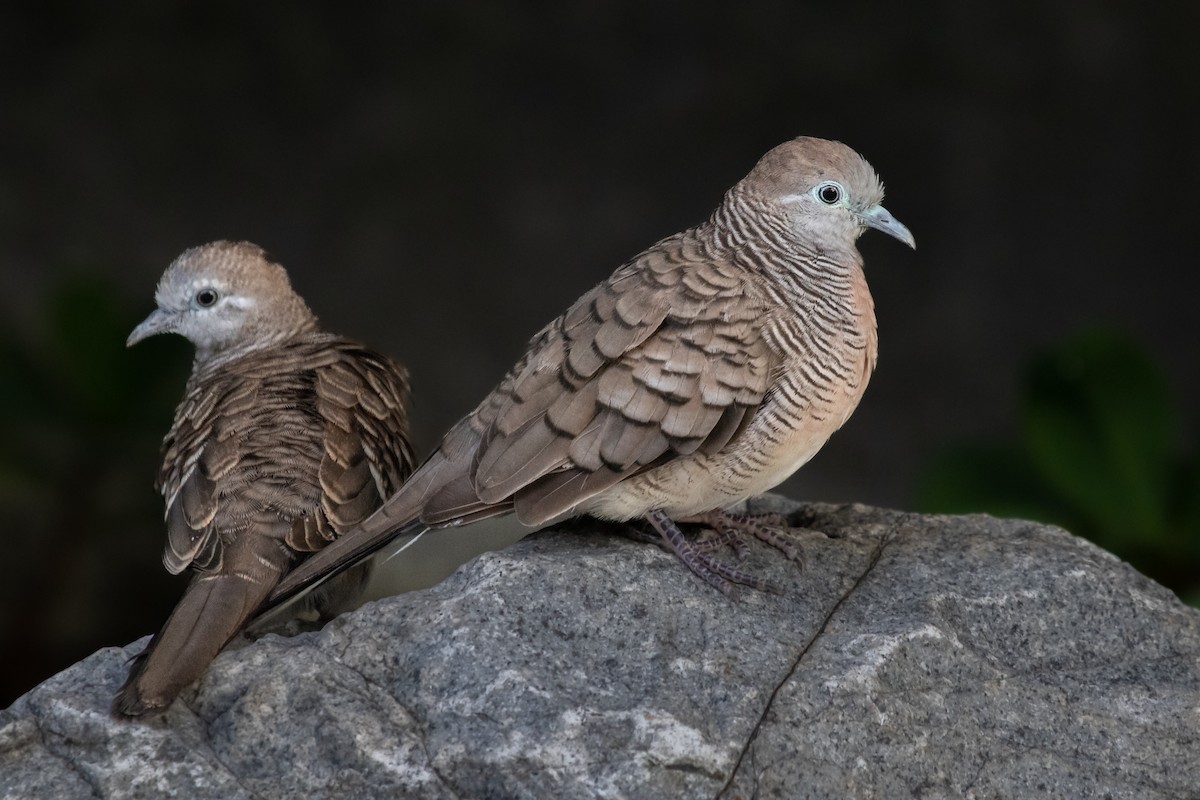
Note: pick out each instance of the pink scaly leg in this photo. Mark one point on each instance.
(701, 561)
(732, 528)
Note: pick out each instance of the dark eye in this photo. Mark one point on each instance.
(206, 297)
(829, 193)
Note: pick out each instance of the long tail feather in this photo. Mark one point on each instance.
(214, 608)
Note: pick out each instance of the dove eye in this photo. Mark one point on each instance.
(829, 193)
(205, 298)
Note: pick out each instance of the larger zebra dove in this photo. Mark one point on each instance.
(286, 437)
(706, 370)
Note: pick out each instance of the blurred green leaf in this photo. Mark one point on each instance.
(999, 478)
(1187, 496)
(1098, 453)
(1098, 421)
(81, 420)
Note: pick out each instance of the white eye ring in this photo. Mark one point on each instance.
(207, 298)
(830, 193)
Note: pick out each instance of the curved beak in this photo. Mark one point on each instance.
(881, 219)
(159, 321)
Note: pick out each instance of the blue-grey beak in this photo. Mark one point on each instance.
(159, 321)
(881, 219)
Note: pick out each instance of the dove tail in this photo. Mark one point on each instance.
(214, 608)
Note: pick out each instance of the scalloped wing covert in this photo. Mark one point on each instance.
(313, 433)
(666, 357)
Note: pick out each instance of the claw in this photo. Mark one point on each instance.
(701, 561)
(770, 528)
(712, 539)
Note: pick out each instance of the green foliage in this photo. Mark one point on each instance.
(1098, 453)
(81, 419)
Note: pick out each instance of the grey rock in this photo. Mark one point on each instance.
(920, 656)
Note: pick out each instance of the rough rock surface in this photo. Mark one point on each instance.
(913, 656)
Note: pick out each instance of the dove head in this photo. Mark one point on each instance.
(226, 298)
(828, 193)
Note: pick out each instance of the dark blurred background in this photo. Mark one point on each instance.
(441, 179)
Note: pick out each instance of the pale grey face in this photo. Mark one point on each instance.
(827, 189)
(837, 203)
(204, 309)
(224, 295)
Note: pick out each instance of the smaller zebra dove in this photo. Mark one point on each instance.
(704, 371)
(286, 437)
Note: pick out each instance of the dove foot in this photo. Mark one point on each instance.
(732, 529)
(699, 559)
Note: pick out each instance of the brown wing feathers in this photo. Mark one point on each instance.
(269, 459)
(622, 380)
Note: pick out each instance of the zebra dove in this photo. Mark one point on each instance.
(706, 370)
(286, 437)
